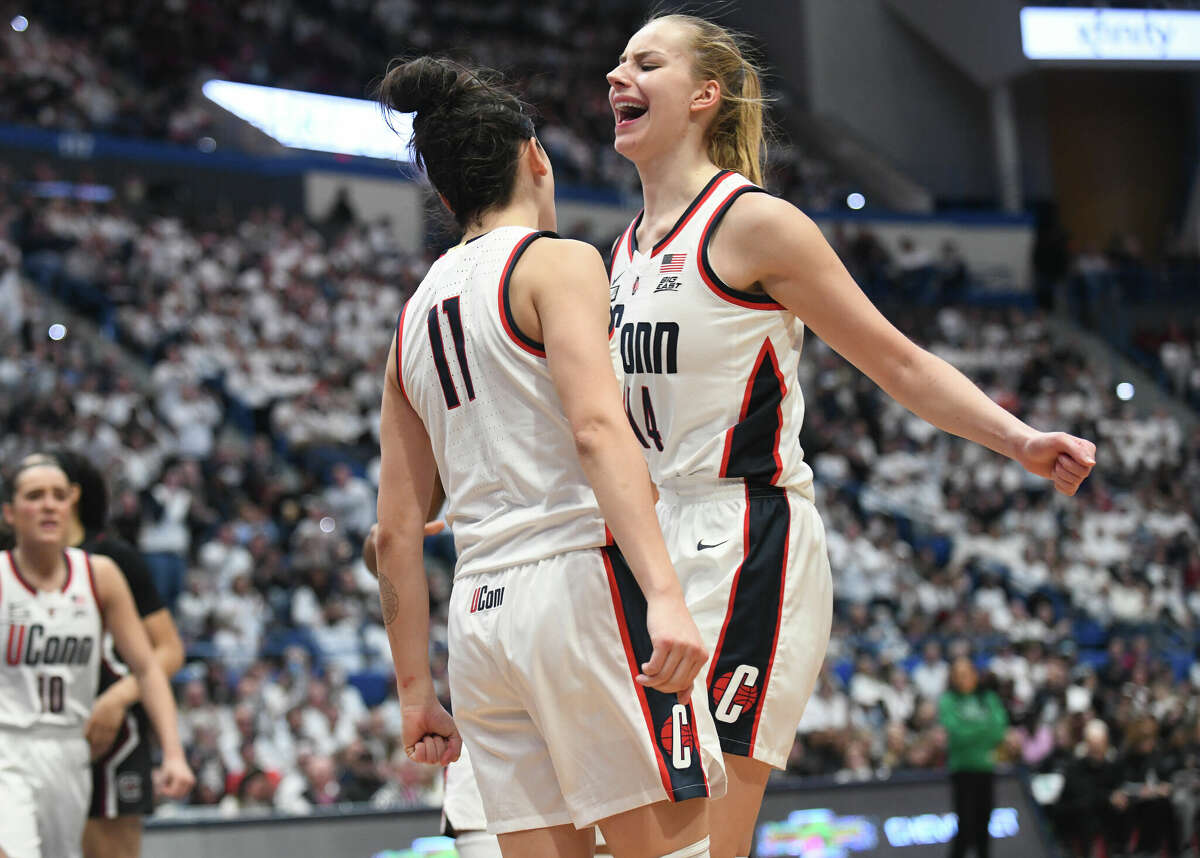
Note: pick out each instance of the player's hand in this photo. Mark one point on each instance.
(429, 734)
(679, 653)
(175, 778)
(103, 724)
(1060, 457)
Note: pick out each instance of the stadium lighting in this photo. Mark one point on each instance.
(57, 331)
(1125, 391)
(856, 200)
(324, 123)
(20, 23)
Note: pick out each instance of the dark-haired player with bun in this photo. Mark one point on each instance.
(118, 730)
(571, 662)
(712, 287)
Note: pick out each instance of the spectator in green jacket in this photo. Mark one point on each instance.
(975, 724)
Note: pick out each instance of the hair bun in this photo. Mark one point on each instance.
(420, 85)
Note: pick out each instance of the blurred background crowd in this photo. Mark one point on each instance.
(224, 369)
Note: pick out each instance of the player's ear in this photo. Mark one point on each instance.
(446, 203)
(539, 161)
(707, 95)
(74, 494)
(8, 513)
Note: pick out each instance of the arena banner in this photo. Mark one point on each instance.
(903, 817)
(906, 816)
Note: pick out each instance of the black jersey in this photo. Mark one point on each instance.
(145, 595)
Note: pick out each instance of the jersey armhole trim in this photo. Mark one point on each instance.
(87, 559)
(400, 350)
(526, 343)
(749, 300)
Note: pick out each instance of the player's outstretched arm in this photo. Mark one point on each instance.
(766, 240)
(406, 486)
(133, 645)
(573, 314)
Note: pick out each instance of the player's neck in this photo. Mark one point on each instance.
(519, 212)
(75, 533)
(42, 564)
(669, 184)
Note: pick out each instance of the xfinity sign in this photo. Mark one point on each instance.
(1109, 34)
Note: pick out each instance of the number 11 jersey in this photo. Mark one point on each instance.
(515, 491)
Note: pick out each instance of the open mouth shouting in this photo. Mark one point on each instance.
(628, 110)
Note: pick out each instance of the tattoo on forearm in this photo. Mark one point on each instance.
(389, 600)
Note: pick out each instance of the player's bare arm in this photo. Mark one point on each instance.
(767, 241)
(108, 713)
(570, 315)
(133, 645)
(407, 477)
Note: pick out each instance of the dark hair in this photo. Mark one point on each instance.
(93, 489)
(467, 130)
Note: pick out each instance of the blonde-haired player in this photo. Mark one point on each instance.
(712, 287)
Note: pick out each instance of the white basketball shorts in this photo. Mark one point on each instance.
(542, 664)
(45, 787)
(755, 573)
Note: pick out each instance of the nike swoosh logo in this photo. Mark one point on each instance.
(700, 546)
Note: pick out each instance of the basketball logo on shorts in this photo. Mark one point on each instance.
(129, 786)
(484, 599)
(677, 737)
(734, 693)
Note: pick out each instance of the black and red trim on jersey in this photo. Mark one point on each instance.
(399, 350)
(750, 632)
(701, 198)
(752, 444)
(527, 343)
(630, 608)
(12, 559)
(87, 559)
(749, 300)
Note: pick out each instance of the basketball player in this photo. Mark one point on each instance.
(55, 603)
(711, 288)
(118, 729)
(463, 817)
(567, 662)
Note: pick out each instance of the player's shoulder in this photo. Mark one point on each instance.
(755, 209)
(762, 222)
(551, 249)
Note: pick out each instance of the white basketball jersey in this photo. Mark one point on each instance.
(515, 491)
(51, 640)
(710, 382)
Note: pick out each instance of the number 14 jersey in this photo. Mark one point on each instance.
(515, 491)
(709, 372)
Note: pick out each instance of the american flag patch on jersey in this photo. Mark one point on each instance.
(672, 263)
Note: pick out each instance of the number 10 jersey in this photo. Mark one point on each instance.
(515, 491)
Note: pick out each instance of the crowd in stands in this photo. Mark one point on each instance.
(142, 77)
(243, 458)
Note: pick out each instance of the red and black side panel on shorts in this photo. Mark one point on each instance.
(752, 444)
(745, 651)
(657, 707)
